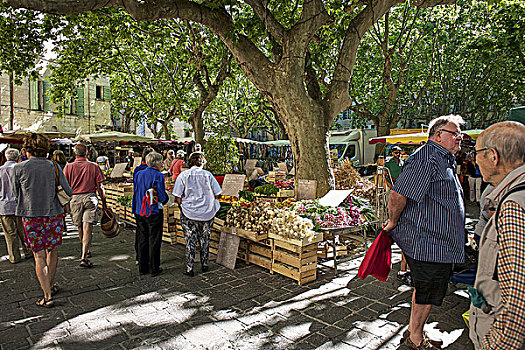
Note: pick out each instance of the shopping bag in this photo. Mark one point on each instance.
(109, 224)
(378, 258)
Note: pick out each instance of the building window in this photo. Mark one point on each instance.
(99, 92)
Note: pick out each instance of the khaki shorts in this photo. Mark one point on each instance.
(84, 208)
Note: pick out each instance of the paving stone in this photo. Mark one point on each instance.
(112, 307)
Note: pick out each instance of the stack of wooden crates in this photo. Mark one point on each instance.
(172, 229)
(293, 258)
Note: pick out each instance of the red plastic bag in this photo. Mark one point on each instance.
(378, 258)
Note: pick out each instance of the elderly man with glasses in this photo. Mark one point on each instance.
(498, 303)
(427, 221)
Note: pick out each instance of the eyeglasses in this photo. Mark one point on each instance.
(396, 152)
(456, 134)
(475, 152)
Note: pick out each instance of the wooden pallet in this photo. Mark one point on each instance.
(294, 261)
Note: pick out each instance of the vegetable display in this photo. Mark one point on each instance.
(288, 224)
(267, 190)
(347, 178)
(327, 217)
(125, 200)
(256, 216)
(223, 210)
(248, 195)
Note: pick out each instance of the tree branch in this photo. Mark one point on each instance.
(273, 26)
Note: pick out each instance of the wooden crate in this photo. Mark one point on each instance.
(215, 237)
(261, 253)
(318, 237)
(251, 235)
(242, 252)
(171, 214)
(294, 261)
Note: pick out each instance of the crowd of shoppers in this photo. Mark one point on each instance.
(426, 219)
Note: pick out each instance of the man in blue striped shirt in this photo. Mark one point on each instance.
(427, 221)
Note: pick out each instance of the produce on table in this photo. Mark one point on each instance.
(223, 210)
(227, 199)
(288, 224)
(285, 184)
(242, 203)
(327, 217)
(287, 203)
(248, 195)
(125, 200)
(347, 178)
(363, 205)
(267, 190)
(256, 216)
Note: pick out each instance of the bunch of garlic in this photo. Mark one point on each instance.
(290, 225)
(256, 217)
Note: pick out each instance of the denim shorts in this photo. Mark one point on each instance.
(430, 280)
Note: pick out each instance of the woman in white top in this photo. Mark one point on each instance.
(195, 191)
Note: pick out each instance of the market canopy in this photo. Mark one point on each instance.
(114, 136)
(415, 138)
(20, 134)
(418, 138)
(474, 133)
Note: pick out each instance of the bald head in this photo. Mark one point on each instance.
(508, 139)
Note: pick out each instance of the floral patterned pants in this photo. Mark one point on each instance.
(196, 231)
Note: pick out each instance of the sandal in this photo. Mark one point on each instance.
(49, 303)
(54, 289)
(85, 263)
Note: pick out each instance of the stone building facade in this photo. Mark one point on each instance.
(33, 110)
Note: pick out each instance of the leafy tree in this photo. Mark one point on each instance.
(473, 76)
(24, 34)
(402, 44)
(276, 43)
(222, 154)
(159, 70)
(240, 108)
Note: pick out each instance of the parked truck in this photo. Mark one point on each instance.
(353, 144)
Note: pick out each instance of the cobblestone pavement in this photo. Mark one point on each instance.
(111, 306)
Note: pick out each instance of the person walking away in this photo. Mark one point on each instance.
(499, 324)
(60, 158)
(135, 199)
(149, 185)
(37, 203)
(86, 179)
(474, 180)
(196, 192)
(170, 157)
(177, 165)
(427, 221)
(11, 224)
